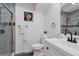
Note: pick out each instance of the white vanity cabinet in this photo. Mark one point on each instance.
(52, 50)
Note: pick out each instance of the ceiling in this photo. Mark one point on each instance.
(42, 7)
(66, 7)
(69, 7)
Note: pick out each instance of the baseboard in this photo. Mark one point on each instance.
(24, 54)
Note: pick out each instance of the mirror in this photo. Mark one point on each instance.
(70, 18)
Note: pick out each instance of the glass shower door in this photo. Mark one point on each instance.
(5, 32)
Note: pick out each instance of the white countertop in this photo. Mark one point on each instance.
(71, 48)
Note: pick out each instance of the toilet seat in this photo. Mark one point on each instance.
(38, 49)
(37, 46)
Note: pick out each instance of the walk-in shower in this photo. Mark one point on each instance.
(6, 30)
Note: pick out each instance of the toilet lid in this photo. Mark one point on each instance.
(37, 46)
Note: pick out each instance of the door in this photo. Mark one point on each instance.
(5, 31)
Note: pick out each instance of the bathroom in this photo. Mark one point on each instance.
(38, 29)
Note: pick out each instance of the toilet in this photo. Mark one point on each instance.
(38, 49)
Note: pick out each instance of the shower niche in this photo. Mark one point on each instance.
(70, 18)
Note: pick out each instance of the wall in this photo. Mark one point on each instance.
(33, 30)
(52, 15)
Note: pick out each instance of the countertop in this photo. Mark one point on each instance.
(71, 48)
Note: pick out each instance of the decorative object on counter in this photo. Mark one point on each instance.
(28, 16)
(53, 25)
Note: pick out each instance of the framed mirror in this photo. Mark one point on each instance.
(69, 20)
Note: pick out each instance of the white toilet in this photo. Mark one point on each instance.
(38, 49)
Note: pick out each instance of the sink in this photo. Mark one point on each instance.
(70, 45)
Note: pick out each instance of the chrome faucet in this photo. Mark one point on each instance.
(71, 38)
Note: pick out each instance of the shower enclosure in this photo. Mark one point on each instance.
(6, 30)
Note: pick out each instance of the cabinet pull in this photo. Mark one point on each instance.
(47, 47)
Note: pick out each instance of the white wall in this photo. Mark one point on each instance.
(52, 15)
(33, 32)
(42, 7)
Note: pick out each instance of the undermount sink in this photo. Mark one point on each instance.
(70, 45)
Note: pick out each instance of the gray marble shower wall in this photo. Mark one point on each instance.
(5, 30)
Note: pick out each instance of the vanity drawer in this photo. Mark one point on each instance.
(52, 50)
